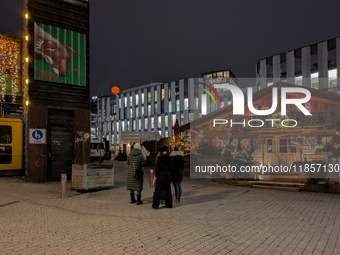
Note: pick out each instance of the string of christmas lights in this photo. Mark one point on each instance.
(9, 65)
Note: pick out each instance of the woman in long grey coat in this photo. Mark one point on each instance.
(135, 160)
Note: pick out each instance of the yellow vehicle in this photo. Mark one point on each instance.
(11, 135)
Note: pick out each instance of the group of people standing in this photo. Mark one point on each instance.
(168, 169)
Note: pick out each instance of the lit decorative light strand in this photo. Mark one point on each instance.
(9, 65)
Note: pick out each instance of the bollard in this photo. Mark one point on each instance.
(63, 186)
(151, 176)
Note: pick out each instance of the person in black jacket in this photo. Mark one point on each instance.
(177, 173)
(162, 180)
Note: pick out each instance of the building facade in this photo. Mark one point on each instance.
(315, 66)
(56, 95)
(155, 107)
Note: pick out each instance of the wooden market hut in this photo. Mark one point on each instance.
(274, 144)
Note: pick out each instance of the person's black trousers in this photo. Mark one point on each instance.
(158, 192)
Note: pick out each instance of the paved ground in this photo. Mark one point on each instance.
(211, 219)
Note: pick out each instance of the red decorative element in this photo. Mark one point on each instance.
(115, 90)
(213, 90)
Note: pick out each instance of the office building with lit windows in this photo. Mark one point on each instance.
(156, 106)
(314, 66)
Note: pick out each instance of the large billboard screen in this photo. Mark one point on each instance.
(59, 55)
(9, 66)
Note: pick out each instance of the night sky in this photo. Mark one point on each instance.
(134, 42)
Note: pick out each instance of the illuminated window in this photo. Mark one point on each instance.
(142, 111)
(298, 80)
(130, 100)
(166, 133)
(134, 125)
(178, 105)
(166, 121)
(162, 94)
(136, 99)
(204, 104)
(159, 122)
(315, 80)
(170, 106)
(140, 124)
(155, 95)
(130, 112)
(152, 123)
(149, 97)
(125, 101)
(182, 119)
(137, 112)
(325, 139)
(149, 109)
(191, 117)
(332, 78)
(169, 92)
(128, 125)
(186, 104)
(146, 123)
(177, 90)
(142, 98)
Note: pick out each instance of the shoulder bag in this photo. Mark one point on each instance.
(139, 173)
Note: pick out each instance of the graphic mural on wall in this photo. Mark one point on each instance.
(59, 55)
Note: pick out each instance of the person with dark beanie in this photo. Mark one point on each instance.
(162, 179)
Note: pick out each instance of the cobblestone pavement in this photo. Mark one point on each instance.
(211, 219)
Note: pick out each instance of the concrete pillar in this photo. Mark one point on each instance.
(306, 63)
(276, 69)
(290, 61)
(323, 65)
(263, 74)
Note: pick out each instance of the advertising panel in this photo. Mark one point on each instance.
(59, 55)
